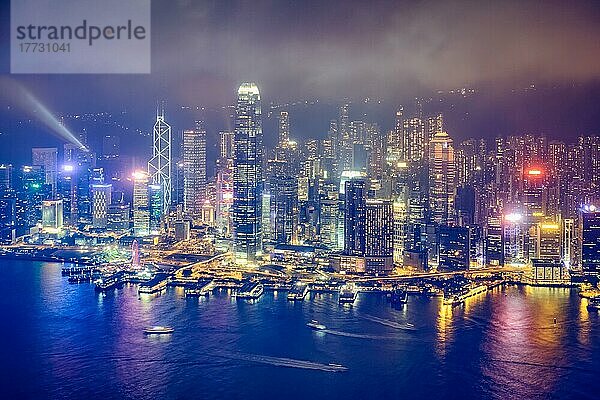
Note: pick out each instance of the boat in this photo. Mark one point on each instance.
(107, 283)
(154, 285)
(348, 293)
(594, 304)
(298, 292)
(158, 330)
(455, 299)
(250, 290)
(316, 325)
(399, 295)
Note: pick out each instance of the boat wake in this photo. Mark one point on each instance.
(286, 362)
(390, 323)
(355, 335)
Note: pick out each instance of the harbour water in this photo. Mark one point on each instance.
(66, 341)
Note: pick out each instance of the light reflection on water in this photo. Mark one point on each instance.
(68, 341)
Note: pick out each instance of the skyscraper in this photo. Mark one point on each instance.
(194, 170)
(141, 212)
(47, 157)
(589, 218)
(247, 175)
(379, 236)
(284, 209)
(284, 128)
(442, 179)
(355, 216)
(101, 199)
(159, 166)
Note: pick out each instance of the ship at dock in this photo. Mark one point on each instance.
(250, 291)
(298, 292)
(154, 285)
(200, 289)
(348, 293)
(459, 297)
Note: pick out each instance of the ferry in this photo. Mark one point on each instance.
(316, 325)
(298, 292)
(460, 297)
(154, 285)
(399, 295)
(201, 289)
(250, 290)
(158, 330)
(107, 283)
(594, 304)
(348, 293)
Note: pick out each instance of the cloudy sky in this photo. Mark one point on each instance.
(333, 49)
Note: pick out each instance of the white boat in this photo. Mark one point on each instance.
(158, 330)
(594, 304)
(316, 325)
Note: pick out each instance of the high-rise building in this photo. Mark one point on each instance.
(101, 199)
(589, 218)
(442, 179)
(247, 175)
(284, 209)
(159, 166)
(141, 211)
(117, 218)
(155, 208)
(194, 170)
(284, 128)
(454, 248)
(52, 215)
(379, 236)
(47, 157)
(355, 216)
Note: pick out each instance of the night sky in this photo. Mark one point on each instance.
(330, 50)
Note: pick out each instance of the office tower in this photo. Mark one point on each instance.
(247, 175)
(589, 217)
(414, 133)
(284, 209)
(376, 146)
(379, 236)
(8, 217)
(494, 241)
(6, 176)
(111, 147)
(568, 240)
(101, 199)
(159, 166)
(155, 208)
(52, 215)
(47, 157)
(141, 212)
(515, 239)
(398, 145)
(433, 125)
(454, 248)
(328, 223)
(117, 218)
(354, 216)
(548, 241)
(194, 170)
(284, 128)
(31, 192)
(344, 147)
(465, 205)
(442, 179)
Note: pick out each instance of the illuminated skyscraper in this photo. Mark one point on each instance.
(379, 236)
(155, 209)
(159, 166)
(194, 170)
(47, 157)
(247, 175)
(355, 216)
(101, 199)
(284, 209)
(589, 220)
(141, 212)
(52, 215)
(442, 179)
(284, 128)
